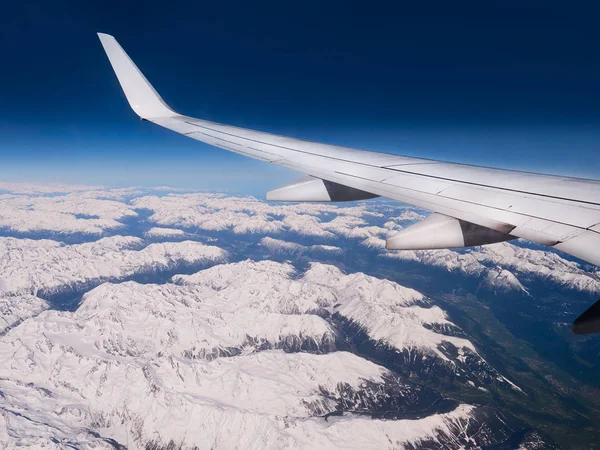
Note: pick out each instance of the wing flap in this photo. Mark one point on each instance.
(556, 187)
(553, 210)
(585, 246)
(417, 183)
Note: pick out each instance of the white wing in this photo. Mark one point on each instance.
(555, 211)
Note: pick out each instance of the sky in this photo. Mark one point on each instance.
(512, 84)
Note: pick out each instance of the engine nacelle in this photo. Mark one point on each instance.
(310, 189)
(439, 231)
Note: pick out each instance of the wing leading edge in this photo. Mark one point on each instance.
(555, 211)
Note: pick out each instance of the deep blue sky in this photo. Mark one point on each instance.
(509, 84)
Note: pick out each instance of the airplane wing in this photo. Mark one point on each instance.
(472, 205)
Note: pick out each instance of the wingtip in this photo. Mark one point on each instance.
(104, 35)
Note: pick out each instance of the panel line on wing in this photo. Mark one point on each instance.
(291, 164)
(492, 187)
(285, 148)
(262, 151)
(397, 170)
(220, 139)
(356, 176)
(549, 222)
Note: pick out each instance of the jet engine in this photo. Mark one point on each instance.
(440, 231)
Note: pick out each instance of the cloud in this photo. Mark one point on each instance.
(49, 188)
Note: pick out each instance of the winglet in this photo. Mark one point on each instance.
(142, 97)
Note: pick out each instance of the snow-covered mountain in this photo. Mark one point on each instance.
(240, 354)
(159, 232)
(247, 215)
(101, 212)
(513, 263)
(162, 319)
(31, 266)
(71, 213)
(293, 248)
(16, 308)
(31, 270)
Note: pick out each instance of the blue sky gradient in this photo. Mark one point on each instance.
(507, 84)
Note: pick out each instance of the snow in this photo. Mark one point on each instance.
(243, 215)
(99, 211)
(240, 355)
(279, 246)
(16, 308)
(342, 433)
(71, 213)
(28, 266)
(502, 280)
(541, 264)
(164, 232)
(127, 364)
(503, 265)
(386, 310)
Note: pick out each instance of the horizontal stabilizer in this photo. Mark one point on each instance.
(310, 189)
(439, 231)
(589, 321)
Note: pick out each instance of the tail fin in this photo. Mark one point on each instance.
(142, 97)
